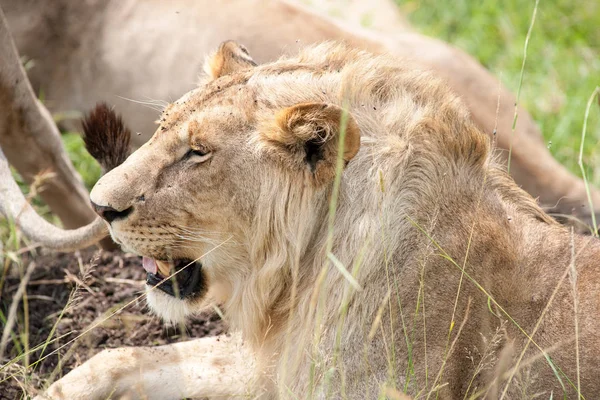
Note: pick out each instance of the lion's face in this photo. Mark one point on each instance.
(187, 200)
(188, 195)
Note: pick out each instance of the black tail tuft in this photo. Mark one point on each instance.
(106, 137)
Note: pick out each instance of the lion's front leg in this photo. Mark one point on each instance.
(208, 367)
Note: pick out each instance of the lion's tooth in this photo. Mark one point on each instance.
(164, 267)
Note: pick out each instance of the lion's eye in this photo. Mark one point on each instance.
(198, 155)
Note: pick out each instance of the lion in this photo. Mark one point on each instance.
(353, 225)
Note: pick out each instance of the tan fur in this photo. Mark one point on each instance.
(317, 124)
(442, 244)
(228, 58)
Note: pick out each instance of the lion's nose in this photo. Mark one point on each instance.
(110, 214)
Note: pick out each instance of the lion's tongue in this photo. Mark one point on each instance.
(154, 266)
(149, 265)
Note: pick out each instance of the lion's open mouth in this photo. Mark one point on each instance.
(178, 278)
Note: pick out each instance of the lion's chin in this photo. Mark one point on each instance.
(173, 287)
(170, 309)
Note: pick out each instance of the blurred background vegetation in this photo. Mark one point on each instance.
(563, 60)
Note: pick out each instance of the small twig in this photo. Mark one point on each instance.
(27, 249)
(132, 282)
(49, 282)
(41, 297)
(12, 313)
(78, 282)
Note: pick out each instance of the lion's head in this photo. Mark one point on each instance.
(252, 149)
(233, 190)
(234, 186)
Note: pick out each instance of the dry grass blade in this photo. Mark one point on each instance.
(379, 315)
(573, 278)
(580, 161)
(345, 273)
(502, 366)
(450, 350)
(516, 115)
(12, 313)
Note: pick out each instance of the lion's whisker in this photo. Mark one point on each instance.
(197, 238)
(199, 230)
(156, 105)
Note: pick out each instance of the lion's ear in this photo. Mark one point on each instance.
(228, 58)
(306, 136)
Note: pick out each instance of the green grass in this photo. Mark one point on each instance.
(563, 60)
(87, 167)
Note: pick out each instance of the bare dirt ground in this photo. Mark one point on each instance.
(74, 294)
